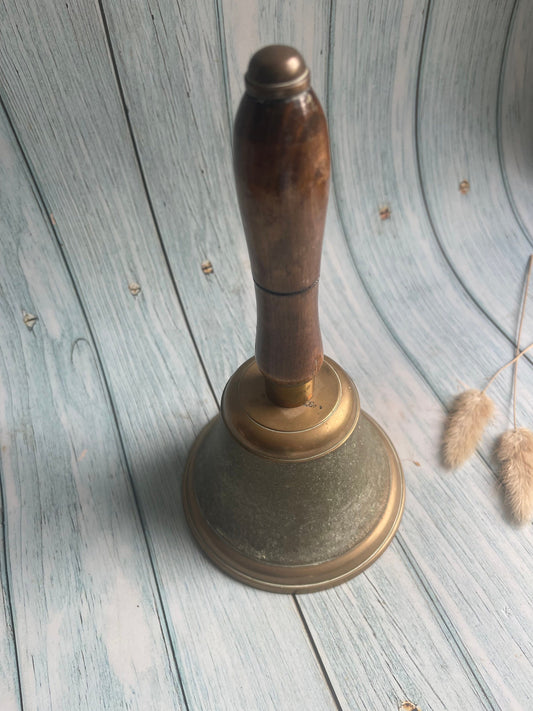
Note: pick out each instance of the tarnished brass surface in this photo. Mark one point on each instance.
(289, 395)
(277, 72)
(291, 433)
(292, 526)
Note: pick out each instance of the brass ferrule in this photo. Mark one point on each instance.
(289, 395)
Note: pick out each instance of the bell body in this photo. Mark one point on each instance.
(288, 509)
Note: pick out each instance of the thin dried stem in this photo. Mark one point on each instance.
(500, 370)
(522, 314)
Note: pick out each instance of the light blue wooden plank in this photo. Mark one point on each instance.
(392, 392)
(398, 259)
(9, 685)
(419, 665)
(516, 114)
(447, 338)
(88, 620)
(457, 140)
(236, 647)
(169, 62)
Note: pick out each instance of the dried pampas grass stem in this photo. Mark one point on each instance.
(471, 411)
(469, 414)
(515, 447)
(518, 338)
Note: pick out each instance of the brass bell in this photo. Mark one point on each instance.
(292, 488)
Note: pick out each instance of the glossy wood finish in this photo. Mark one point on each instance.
(113, 105)
(282, 169)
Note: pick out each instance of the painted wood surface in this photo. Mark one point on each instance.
(516, 115)
(124, 111)
(476, 230)
(84, 598)
(9, 686)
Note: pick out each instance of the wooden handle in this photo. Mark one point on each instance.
(282, 169)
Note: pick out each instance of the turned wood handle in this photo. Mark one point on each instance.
(282, 169)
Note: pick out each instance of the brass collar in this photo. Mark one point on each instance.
(291, 433)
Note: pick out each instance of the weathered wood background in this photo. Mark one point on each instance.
(115, 186)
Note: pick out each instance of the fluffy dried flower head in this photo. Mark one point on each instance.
(515, 454)
(467, 418)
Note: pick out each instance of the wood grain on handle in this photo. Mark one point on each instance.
(282, 169)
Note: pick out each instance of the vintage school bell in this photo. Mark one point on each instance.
(292, 487)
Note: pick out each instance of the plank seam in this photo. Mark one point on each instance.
(149, 200)
(391, 669)
(447, 626)
(344, 229)
(425, 200)
(317, 654)
(503, 169)
(221, 32)
(6, 582)
(160, 608)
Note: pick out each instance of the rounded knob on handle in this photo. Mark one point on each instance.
(282, 171)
